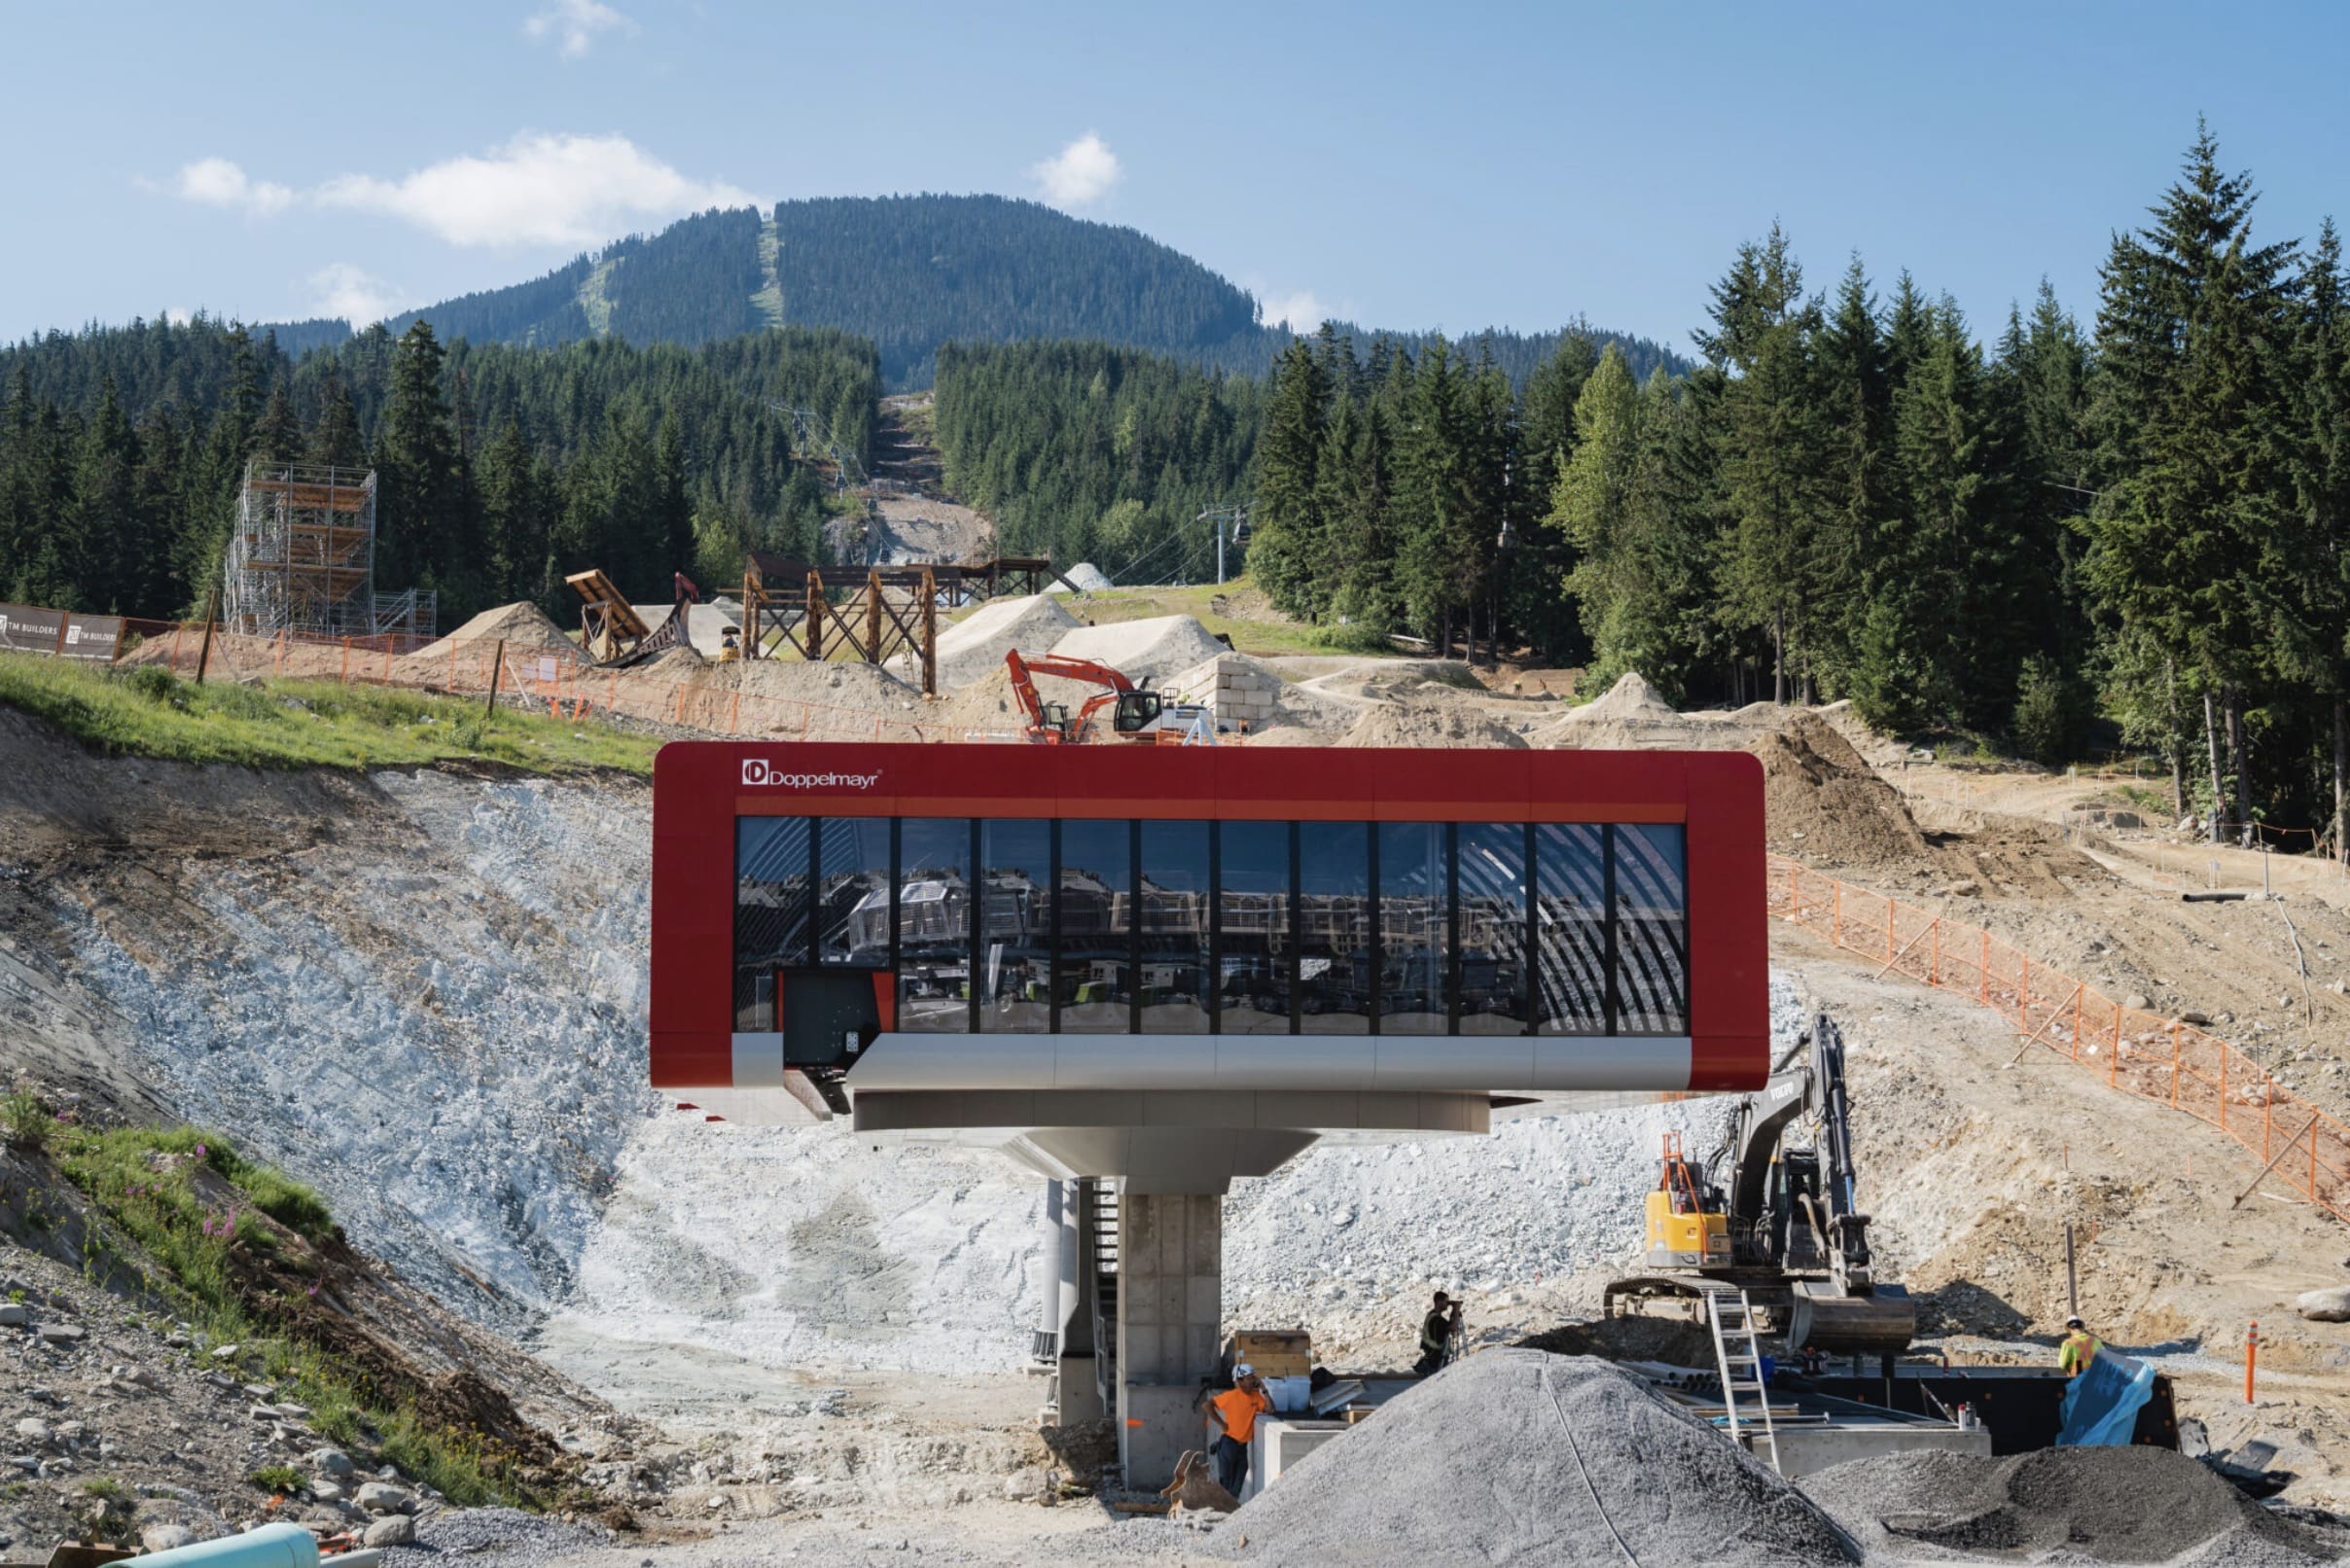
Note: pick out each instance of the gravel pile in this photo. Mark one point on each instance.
(496, 1538)
(2093, 1505)
(1518, 1456)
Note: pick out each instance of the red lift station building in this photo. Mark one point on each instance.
(1142, 971)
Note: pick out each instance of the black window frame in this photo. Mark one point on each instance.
(1529, 983)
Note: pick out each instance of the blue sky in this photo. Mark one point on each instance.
(1404, 166)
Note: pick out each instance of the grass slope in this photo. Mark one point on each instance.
(301, 724)
(1234, 609)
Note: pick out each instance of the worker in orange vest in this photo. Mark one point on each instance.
(1233, 1414)
(2079, 1349)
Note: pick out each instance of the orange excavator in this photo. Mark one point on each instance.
(1136, 713)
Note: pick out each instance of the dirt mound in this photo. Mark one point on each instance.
(1427, 725)
(677, 663)
(1630, 716)
(973, 648)
(1084, 576)
(1821, 802)
(2106, 1504)
(521, 624)
(828, 701)
(1518, 1456)
(1631, 699)
(1161, 647)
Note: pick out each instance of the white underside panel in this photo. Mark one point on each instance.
(1640, 1064)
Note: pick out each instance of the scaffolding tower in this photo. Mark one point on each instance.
(301, 558)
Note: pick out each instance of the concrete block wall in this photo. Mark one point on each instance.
(1236, 689)
(1170, 1312)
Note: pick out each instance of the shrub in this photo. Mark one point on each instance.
(277, 1478)
(2047, 712)
(157, 684)
(102, 1508)
(25, 1121)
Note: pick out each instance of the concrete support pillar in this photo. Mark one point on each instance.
(1170, 1310)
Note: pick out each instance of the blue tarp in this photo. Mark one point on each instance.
(2101, 1406)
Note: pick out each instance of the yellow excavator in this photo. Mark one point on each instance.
(1780, 1222)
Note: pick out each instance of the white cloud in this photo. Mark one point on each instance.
(573, 25)
(536, 189)
(1301, 310)
(351, 293)
(1079, 175)
(215, 182)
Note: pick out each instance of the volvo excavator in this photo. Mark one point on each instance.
(1772, 1212)
(1136, 713)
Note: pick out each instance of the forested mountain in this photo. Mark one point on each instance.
(1096, 453)
(499, 467)
(912, 273)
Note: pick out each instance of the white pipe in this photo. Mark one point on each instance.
(1068, 1292)
(272, 1546)
(1052, 1318)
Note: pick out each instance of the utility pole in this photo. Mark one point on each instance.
(1232, 518)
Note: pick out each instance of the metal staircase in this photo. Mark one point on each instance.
(1739, 1357)
(1098, 1210)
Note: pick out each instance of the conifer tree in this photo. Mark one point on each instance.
(419, 531)
(2196, 315)
(1287, 548)
(1772, 467)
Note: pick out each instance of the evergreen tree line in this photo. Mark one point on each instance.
(1853, 498)
(1399, 490)
(1095, 453)
(499, 469)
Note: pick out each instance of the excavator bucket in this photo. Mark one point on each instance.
(1881, 1322)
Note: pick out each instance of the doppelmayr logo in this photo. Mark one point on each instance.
(759, 772)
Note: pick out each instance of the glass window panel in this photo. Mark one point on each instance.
(1492, 873)
(754, 1000)
(1015, 926)
(1253, 917)
(934, 924)
(770, 912)
(1570, 928)
(852, 870)
(1651, 928)
(1413, 897)
(1334, 927)
(1174, 911)
(1096, 959)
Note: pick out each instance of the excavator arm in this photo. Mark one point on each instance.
(1134, 707)
(1795, 1208)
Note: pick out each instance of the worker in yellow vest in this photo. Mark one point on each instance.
(2079, 1349)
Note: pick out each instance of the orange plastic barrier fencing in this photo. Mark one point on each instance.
(2155, 1059)
(568, 686)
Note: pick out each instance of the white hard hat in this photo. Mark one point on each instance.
(1241, 1369)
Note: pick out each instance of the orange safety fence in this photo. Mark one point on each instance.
(560, 680)
(2142, 1053)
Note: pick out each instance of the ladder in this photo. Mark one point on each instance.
(1731, 1318)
